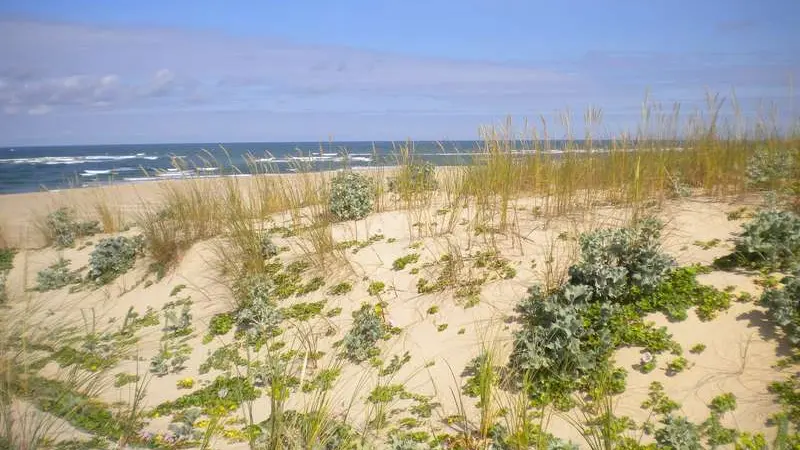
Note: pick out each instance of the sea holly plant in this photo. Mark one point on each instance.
(567, 333)
(783, 307)
(56, 276)
(618, 263)
(351, 196)
(770, 241)
(63, 227)
(359, 344)
(113, 257)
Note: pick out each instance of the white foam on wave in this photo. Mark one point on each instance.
(58, 160)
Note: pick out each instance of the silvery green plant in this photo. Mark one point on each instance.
(183, 427)
(618, 263)
(678, 434)
(258, 316)
(64, 228)
(771, 240)
(56, 276)
(769, 169)
(783, 307)
(268, 248)
(113, 257)
(554, 340)
(351, 196)
(367, 330)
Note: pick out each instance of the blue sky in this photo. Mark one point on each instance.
(85, 72)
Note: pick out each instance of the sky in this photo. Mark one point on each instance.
(104, 72)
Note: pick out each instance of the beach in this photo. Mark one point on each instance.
(437, 331)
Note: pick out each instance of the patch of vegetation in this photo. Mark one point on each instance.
(737, 214)
(783, 307)
(303, 311)
(402, 262)
(376, 288)
(340, 289)
(220, 324)
(268, 248)
(680, 291)
(677, 365)
(351, 196)
(622, 264)
(258, 315)
(359, 344)
(56, 276)
(717, 434)
(567, 334)
(177, 290)
(112, 257)
(224, 392)
(80, 410)
(63, 227)
(658, 402)
(7, 259)
(414, 178)
(769, 169)
(707, 245)
(314, 284)
(284, 232)
(441, 327)
(678, 433)
(697, 349)
(174, 350)
(771, 240)
(123, 379)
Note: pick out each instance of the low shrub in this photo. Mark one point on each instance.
(113, 257)
(56, 276)
(368, 328)
(220, 324)
(62, 227)
(351, 196)
(770, 241)
(679, 434)
(617, 264)
(268, 248)
(769, 168)
(783, 307)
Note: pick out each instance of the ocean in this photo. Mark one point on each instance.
(31, 169)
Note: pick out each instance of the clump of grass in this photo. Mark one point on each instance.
(189, 212)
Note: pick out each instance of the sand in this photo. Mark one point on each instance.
(741, 348)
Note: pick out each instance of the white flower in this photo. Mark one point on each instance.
(646, 357)
(223, 393)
